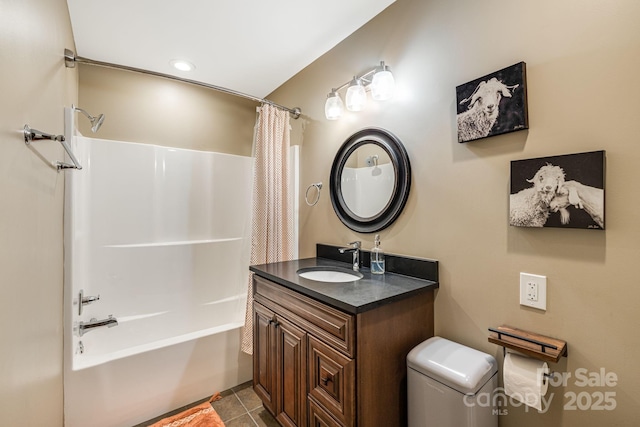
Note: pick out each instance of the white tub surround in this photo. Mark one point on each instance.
(161, 236)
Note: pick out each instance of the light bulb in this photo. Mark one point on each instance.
(356, 96)
(182, 65)
(333, 107)
(383, 84)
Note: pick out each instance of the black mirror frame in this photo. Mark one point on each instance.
(402, 168)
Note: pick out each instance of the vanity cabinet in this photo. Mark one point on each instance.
(315, 365)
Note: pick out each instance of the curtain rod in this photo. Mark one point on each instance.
(70, 60)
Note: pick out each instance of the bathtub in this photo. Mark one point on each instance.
(161, 236)
(147, 332)
(125, 391)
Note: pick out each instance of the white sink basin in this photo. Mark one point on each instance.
(329, 274)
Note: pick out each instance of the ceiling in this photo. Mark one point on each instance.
(250, 46)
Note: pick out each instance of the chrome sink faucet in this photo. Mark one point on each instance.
(355, 248)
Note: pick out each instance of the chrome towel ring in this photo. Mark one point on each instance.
(318, 187)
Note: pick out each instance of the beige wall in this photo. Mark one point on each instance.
(34, 89)
(582, 62)
(154, 110)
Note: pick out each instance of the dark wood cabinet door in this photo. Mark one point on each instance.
(264, 356)
(319, 418)
(291, 343)
(332, 381)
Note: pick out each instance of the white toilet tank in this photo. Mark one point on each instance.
(445, 380)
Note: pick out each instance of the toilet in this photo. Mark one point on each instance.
(451, 385)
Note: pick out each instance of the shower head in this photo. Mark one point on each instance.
(96, 122)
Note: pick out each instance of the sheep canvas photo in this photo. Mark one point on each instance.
(560, 191)
(493, 104)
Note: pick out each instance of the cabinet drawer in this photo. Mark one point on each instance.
(318, 417)
(332, 381)
(332, 325)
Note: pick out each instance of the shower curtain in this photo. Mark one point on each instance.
(272, 211)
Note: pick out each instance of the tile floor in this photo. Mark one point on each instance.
(239, 407)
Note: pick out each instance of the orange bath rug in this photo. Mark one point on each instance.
(202, 415)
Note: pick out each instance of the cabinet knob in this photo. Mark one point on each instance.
(274, 321)
(325, 380)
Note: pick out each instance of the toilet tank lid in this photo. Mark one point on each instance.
(455, 365)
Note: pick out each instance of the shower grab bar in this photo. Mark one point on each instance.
(31, 134)
(63, 165)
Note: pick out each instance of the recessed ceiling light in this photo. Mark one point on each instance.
(182, 65)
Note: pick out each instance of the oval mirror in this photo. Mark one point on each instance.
(370, 180)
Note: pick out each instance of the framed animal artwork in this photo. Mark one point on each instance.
(560, 191)
(493, 104)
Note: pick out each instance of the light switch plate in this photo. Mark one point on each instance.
(533, 291)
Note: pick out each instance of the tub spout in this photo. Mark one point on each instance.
(84, 327)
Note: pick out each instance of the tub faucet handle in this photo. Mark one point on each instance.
(82, 300)
(89, 300)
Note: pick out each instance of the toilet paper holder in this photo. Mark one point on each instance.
(531, 344)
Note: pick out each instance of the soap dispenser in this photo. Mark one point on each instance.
(377, 257)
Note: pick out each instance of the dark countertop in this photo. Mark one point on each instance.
(353, 297)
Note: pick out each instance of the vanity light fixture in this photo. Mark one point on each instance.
(383, 84)
(356, 95)
(182, 65)
(334, 106)
(379, 80)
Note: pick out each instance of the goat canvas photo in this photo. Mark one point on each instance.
(493, 104)
(560, 191)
